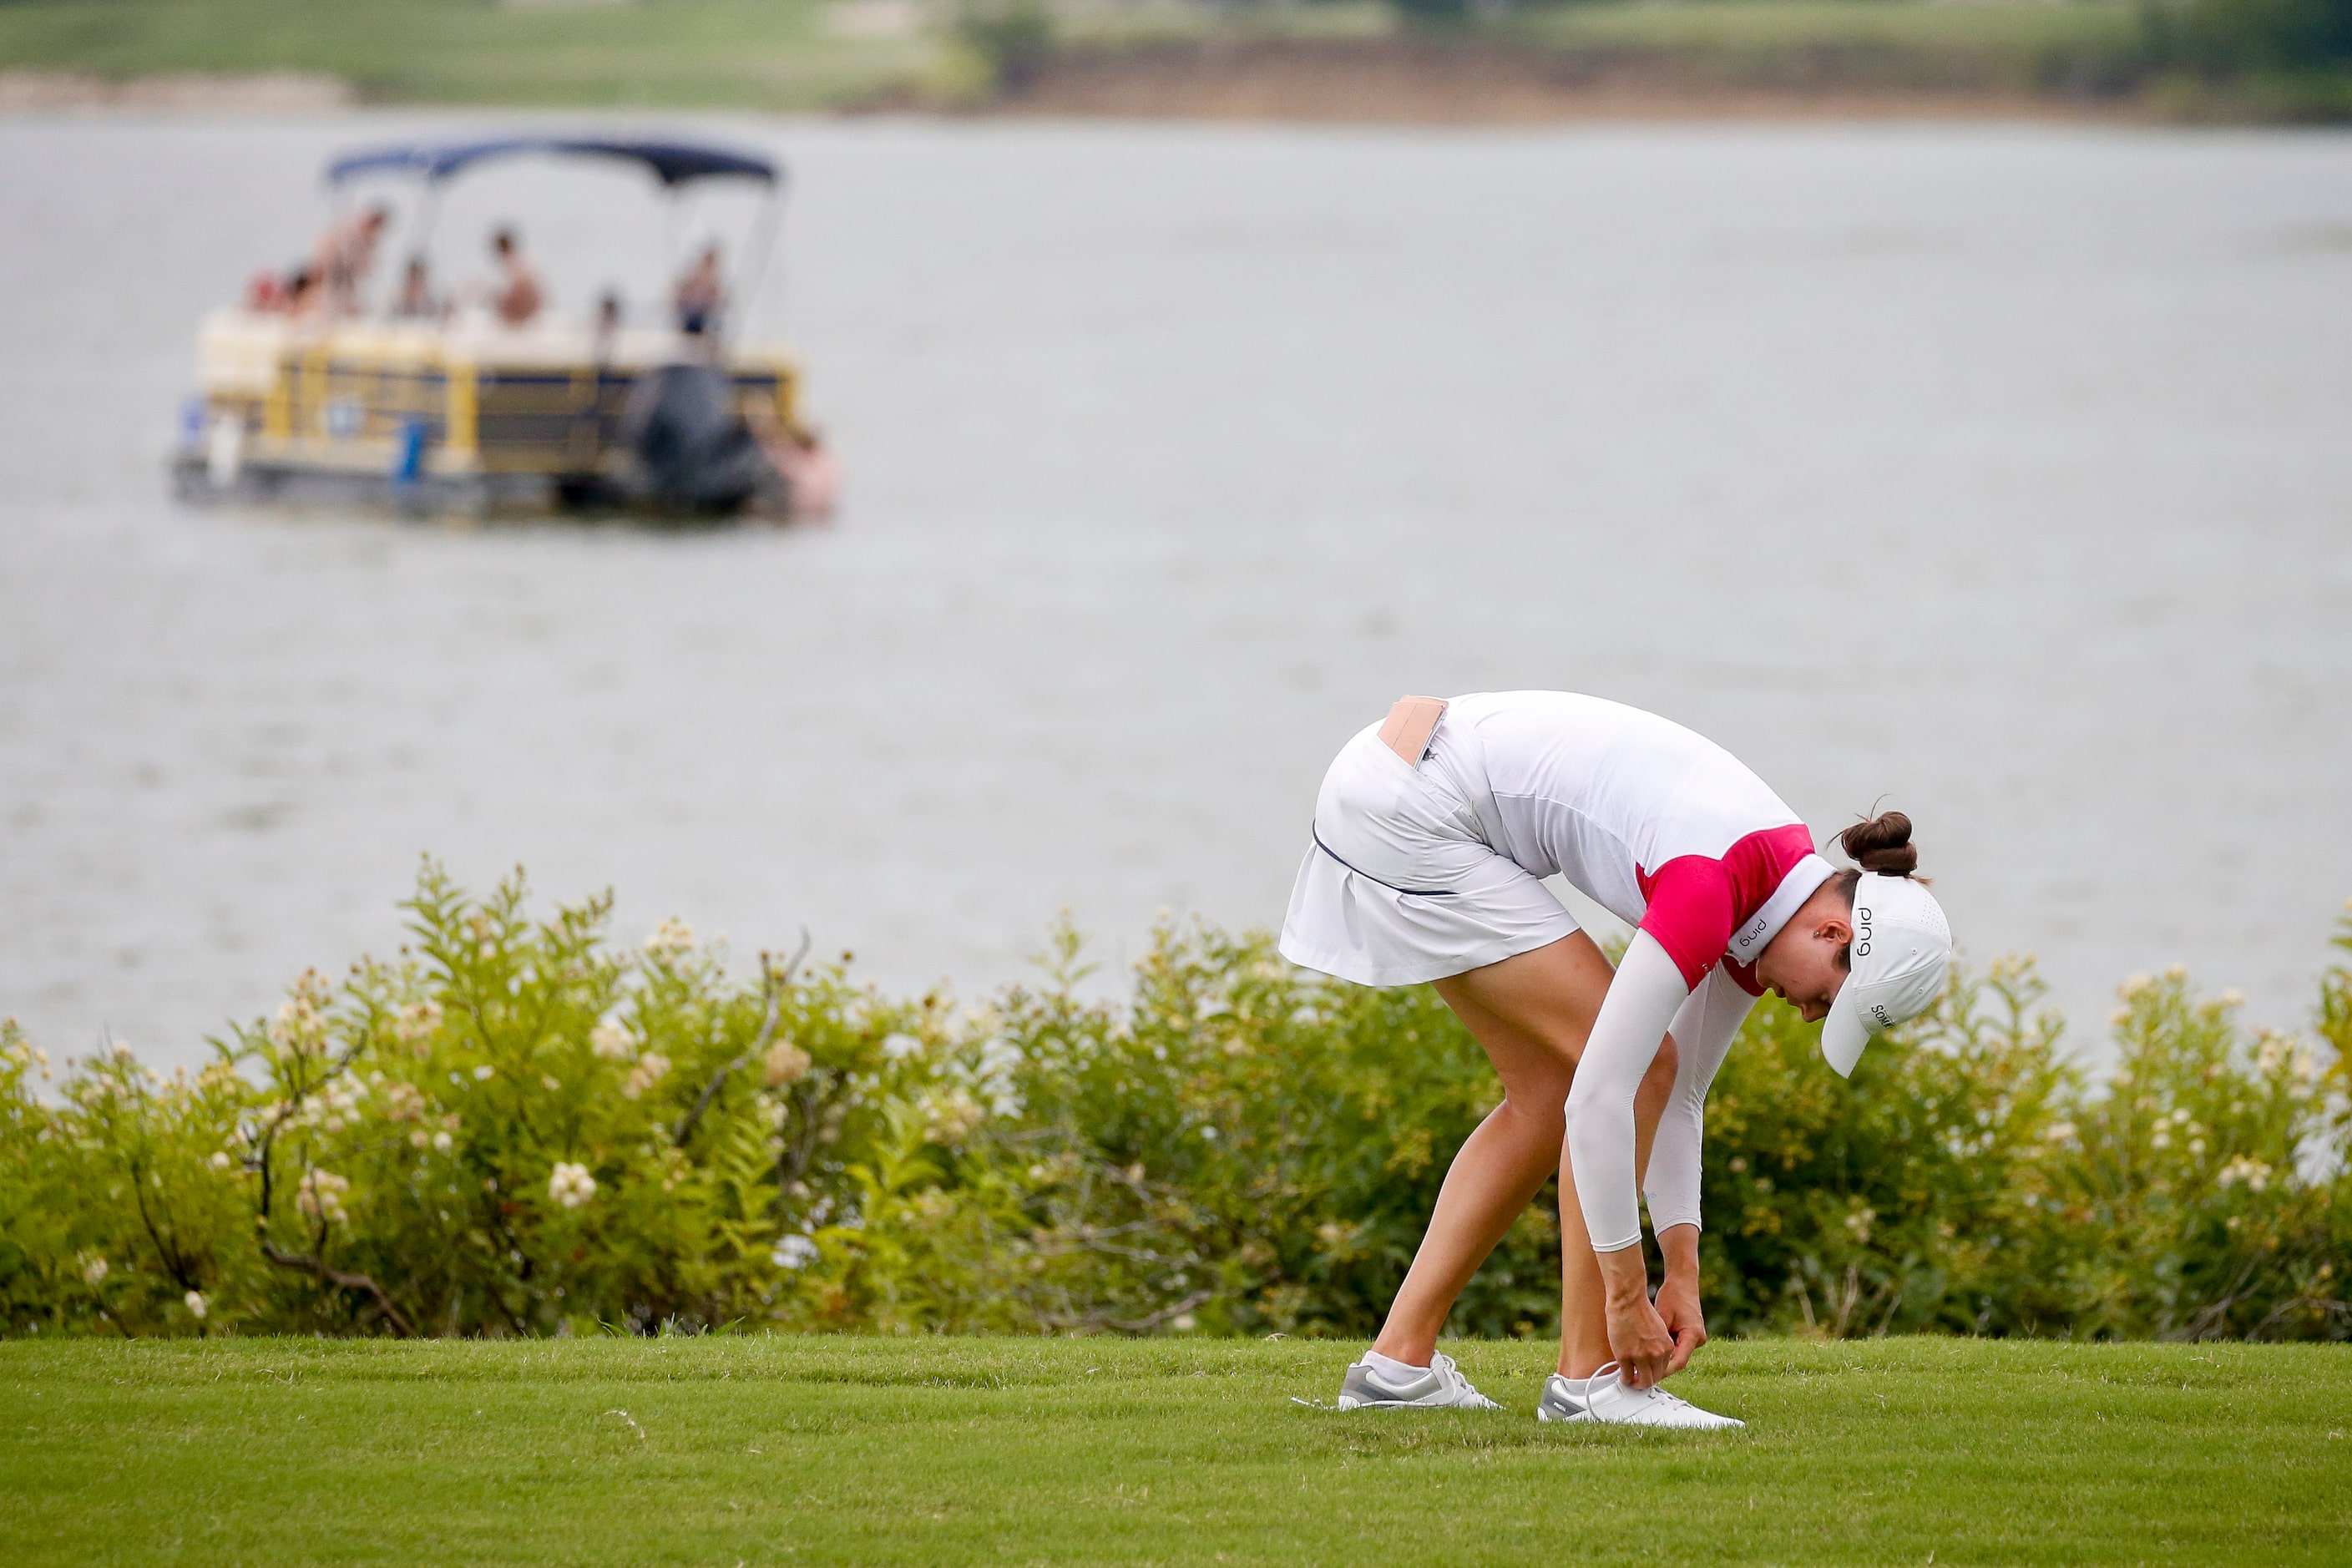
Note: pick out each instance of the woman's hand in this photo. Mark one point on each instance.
(1639, 1340)
(1678, 1297)
(1678, 1309)
(1638, 1337)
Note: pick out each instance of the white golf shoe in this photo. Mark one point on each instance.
(1442, 1387)
(1604, 1399)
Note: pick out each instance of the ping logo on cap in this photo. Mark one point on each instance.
(1890, 979)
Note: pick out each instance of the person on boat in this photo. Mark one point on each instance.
(265, 292)
(1431, 837)
(517, 295)
(345, 255)
(700, 295)
(304, 297)
(416, 301)
(812, 474)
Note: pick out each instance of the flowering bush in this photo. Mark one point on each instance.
(1969, 1179)
(519, 1127)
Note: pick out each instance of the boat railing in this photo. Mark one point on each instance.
(467, 396)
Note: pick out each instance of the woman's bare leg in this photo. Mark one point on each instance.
(1583, 1303)
(1532, 1013)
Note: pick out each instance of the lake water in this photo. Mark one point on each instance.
(2002, 473)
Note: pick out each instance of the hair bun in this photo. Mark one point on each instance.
(1881, 844)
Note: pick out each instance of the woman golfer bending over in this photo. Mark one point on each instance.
(1431, 836)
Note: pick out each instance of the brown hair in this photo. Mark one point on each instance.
(1881, 844)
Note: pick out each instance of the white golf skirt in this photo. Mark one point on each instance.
(1400, 885)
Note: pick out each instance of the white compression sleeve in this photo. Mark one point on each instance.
(1703, 1030)
(1641, 1001)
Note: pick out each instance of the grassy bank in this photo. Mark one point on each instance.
(1340, 60)
(2081, 46)
(689, 54)
(871, 1451)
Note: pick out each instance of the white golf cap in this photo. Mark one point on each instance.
(1902, 950)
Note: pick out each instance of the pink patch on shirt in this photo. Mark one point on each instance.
(1695, 903)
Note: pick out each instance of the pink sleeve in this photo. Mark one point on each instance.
(1691, 914)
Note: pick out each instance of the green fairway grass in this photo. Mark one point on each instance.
(755, 1450)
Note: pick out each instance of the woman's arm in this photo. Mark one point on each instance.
(1704, 1029)
(1642, 998)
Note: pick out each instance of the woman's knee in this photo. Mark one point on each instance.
(1543, 1106)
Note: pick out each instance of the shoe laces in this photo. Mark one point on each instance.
(1655, 1393)
(1443, 1366)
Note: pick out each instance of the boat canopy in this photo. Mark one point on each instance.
(674, 164)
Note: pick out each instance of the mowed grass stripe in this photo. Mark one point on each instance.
(948, 1451)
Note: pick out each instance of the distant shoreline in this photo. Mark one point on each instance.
(1427, 82)
(1343, 61)
(24, 93)
(1386, 81)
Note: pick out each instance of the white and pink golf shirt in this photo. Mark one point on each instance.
(1657, 824)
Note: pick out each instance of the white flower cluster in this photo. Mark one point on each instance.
(981, 1075)
(94, 1268)
(20, 1051)
(197, 1305)
(332, 1108)
(2256, 1174)
(669, 940)
(321, 1196)
(650, 1069)
(442, 1139)
(993, 1076)
(414, 1024)
(2283, 1052)
(610, 1042)
(570, 1185)
(786, 1064)
(300, 1026)
(950, 1115)
(2179, 1119)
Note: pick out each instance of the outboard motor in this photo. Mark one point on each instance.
(693, 451)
